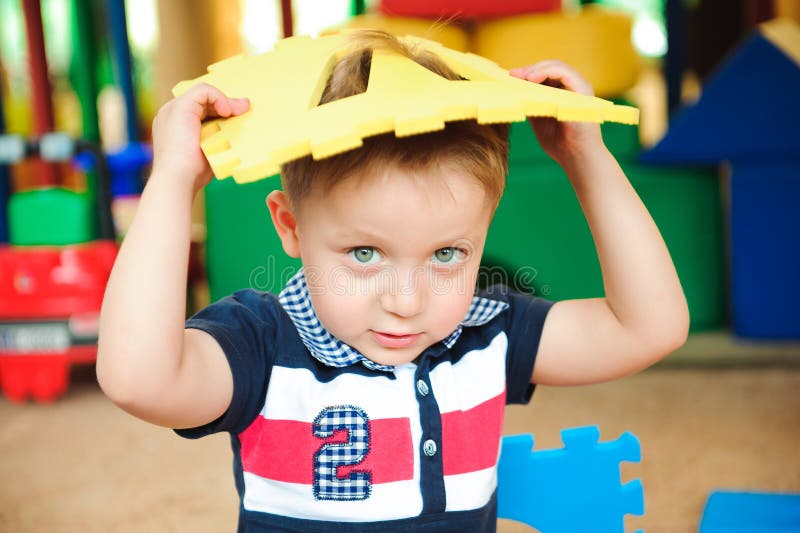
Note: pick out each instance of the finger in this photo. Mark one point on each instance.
(239, 105)
(557, 71)
(227, 107)
(536, 76)
(519, 72)
(524, 71)
(205, 100)
(545, 72)
(530, 74)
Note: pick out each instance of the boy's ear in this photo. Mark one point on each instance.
(284, 221)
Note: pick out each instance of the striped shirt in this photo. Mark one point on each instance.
(326, 440)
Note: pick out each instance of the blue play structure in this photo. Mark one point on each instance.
(573, 489)
(127, 164)
(751, 512)
(748, 115)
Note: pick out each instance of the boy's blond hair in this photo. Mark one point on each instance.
(477, 150)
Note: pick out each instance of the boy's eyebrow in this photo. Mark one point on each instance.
(367, 237)
(357, 233)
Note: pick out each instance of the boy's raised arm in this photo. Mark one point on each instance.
(146, 362)
(644, 315)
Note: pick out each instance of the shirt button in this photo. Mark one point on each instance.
(422, 388)
(429, 447)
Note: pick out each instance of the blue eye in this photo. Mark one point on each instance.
(365, 255)
(448, 255)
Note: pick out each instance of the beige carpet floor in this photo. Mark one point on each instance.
(81, 464)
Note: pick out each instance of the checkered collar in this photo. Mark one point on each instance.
(295, 300)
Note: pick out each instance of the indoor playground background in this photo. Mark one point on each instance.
(715, 158)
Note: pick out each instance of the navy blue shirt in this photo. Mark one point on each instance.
(360, 447)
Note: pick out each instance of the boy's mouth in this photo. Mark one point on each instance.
(393, 340)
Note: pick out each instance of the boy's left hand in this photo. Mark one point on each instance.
(563, 141)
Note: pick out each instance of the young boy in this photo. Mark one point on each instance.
(369, 395)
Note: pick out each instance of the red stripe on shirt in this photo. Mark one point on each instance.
(283, 450)
(470, 438)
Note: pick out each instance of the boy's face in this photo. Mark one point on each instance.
(391, 261)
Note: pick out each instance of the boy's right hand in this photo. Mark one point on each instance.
(176, 133)
(147, 363)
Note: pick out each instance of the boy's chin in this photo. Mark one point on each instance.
(393, 357)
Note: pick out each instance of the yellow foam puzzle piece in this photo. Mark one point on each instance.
(285, 85)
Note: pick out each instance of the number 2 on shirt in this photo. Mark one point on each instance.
(331, 455)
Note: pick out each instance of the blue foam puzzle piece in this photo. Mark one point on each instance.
(751, 512)
(571, 489)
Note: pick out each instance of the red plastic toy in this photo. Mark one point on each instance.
(49, 315)
(465, 9)
(50, 296)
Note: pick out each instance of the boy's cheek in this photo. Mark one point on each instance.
(338, 308)
(449, 309)
(454, 285)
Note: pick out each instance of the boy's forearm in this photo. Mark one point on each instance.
(641, 285)
(142, 318)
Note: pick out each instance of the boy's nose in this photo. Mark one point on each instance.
(404, 305)
(404, 295)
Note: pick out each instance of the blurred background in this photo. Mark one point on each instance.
(716, 159)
